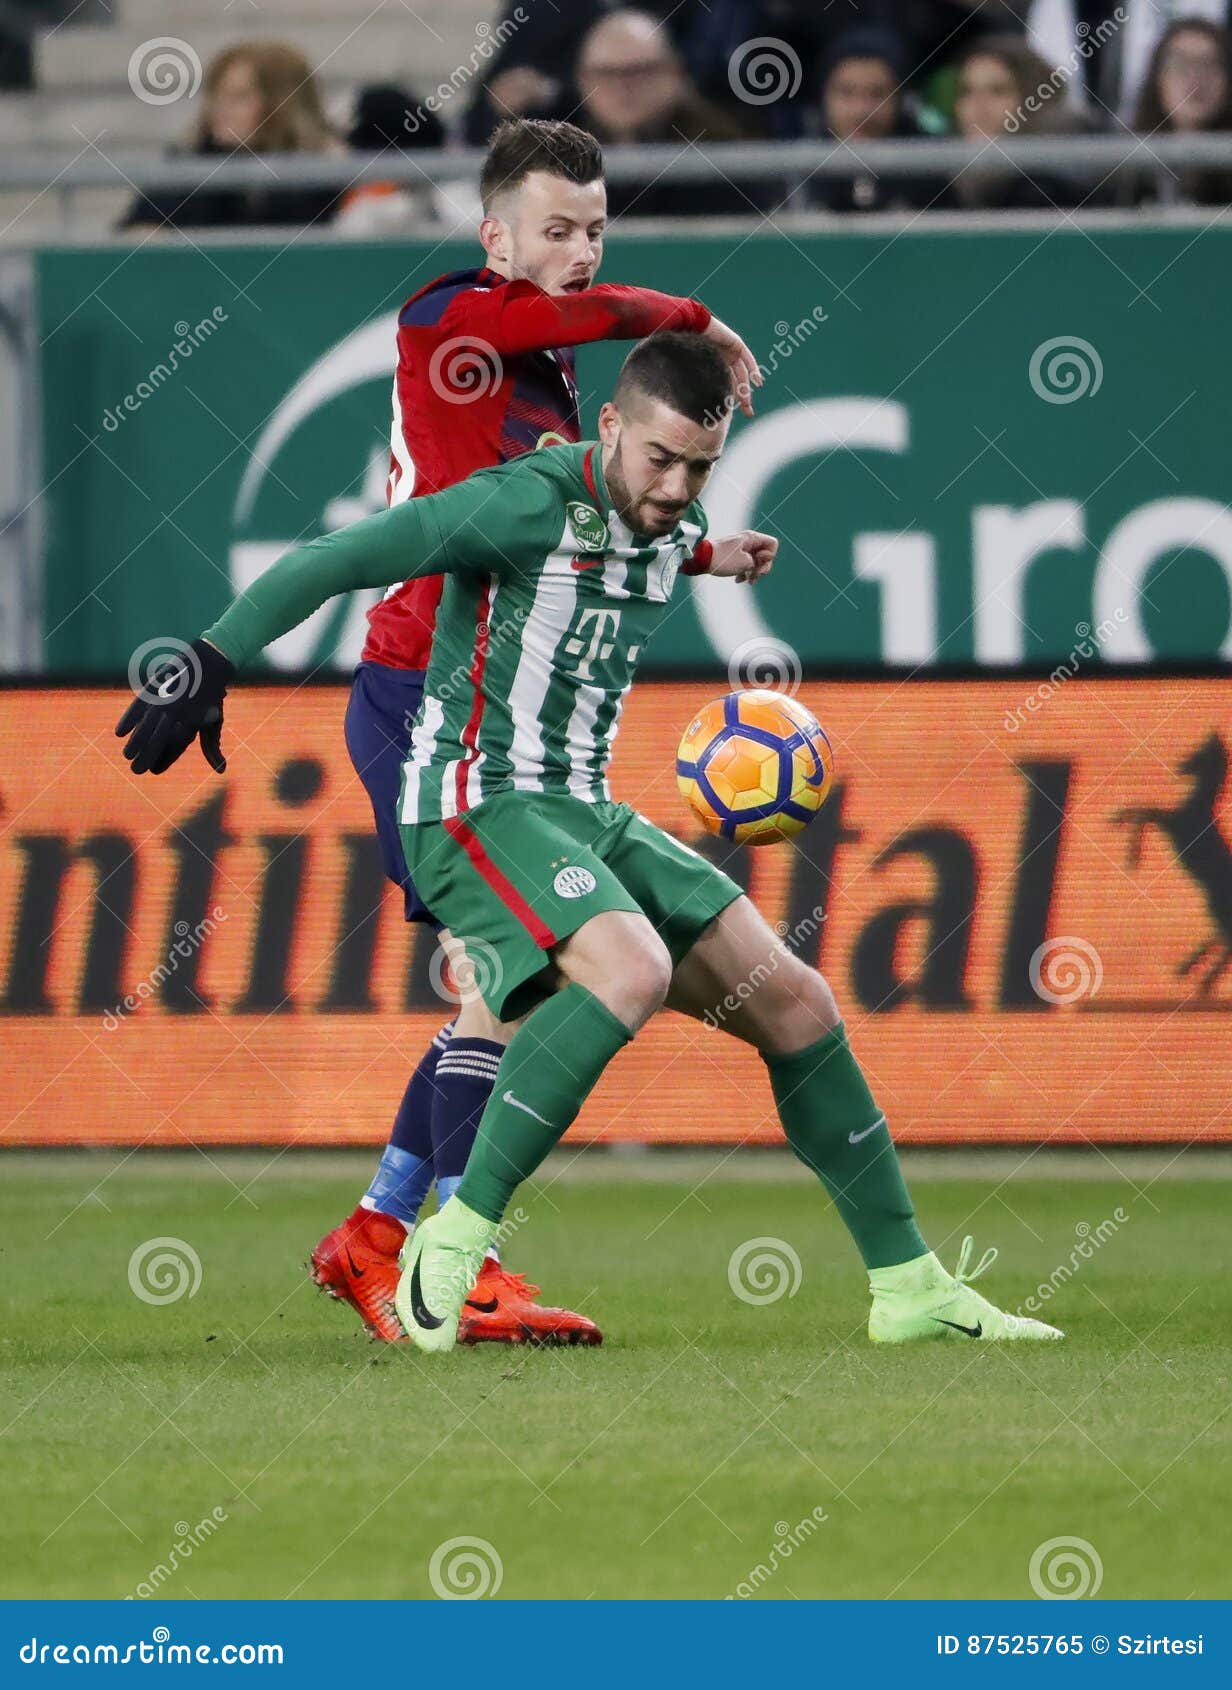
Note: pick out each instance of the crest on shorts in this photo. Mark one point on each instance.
(574, 882)
(589, 527)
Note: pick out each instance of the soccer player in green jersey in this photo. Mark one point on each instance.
(573, 910)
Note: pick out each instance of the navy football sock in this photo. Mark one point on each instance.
(464, 1081)
(406, 1168)
(465, 1076)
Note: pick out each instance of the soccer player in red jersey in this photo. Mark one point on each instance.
(485, 373)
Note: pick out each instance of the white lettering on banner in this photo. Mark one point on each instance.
(1135, 545)
(733, 500)
(1005, 543)
(905, 568)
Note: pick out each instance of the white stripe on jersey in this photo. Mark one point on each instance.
(580, 745)
(423, 744)
(449, 789)
(552, 611)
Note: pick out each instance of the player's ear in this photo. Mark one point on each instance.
(609, 424)
(494, 238)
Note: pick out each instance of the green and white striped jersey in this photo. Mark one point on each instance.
(549, 603)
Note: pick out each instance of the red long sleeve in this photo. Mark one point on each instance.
(699, 563)
(520, 317)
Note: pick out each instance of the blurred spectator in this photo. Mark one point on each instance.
(633, 90)
(1188, 91)
(389, 120)
(862, 99)
(532, 74)
(1188, 88)
(723, 48)
(260, 99)
(929, 32)
(1003, 91)
(22, 20)
(1107, 45)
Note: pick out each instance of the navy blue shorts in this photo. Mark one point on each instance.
(380, 714)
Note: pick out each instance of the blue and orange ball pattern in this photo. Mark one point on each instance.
(755, 766)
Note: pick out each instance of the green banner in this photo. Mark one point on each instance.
(975, 445)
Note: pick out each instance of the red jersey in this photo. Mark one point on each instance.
(485, 370)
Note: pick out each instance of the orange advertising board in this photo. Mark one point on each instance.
(1021, 893)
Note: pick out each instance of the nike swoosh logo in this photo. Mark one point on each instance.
(525, 1108)
(854, 1138)
(580, 563)
(423, 1314)
(358, 1272)
(976, 1331)
(483, 1308)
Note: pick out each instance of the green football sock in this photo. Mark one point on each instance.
(835, 1127)
(550, 1068)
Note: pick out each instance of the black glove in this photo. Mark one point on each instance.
(181, 701)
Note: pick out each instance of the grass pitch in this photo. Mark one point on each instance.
(702, 1443)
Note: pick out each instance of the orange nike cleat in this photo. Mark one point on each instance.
(357, 1263)
(501, 1309)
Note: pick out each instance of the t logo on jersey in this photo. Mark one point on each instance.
(594, 641)
(589, 526)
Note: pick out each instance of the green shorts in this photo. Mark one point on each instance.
(519, 874)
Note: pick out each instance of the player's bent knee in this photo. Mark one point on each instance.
(621, 959)
(796, 1010)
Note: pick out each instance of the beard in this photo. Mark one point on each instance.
(637, 514)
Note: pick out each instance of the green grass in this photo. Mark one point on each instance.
(661, 1465)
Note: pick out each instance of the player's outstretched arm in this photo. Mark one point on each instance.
(745, 556)
(459, 528)
(520, 317)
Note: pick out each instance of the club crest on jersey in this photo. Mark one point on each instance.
(574, 882)
(589, 526)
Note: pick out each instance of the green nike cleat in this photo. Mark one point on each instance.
(920, 1299)
(440, 1262)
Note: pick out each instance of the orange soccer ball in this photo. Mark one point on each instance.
(755, 766)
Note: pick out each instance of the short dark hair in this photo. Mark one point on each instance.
(525, 144)
(683, 370)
